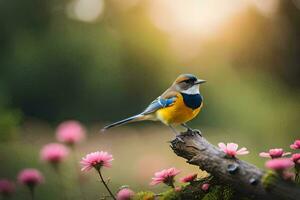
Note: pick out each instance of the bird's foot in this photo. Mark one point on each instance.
(179, 138)
(190, 130)
(197, 131)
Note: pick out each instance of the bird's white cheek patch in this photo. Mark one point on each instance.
(192, 90)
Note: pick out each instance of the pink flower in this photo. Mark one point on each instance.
(165, 176)
(188, 178)
(70, 132)
(296, 158)
(279, 164)
(30, 177)
(125, 194)
(178, 189)
(274, 153)
(231, 149)
(296, 145)
(205, 187)
(7, 187)
(96, 160)
(54, 153)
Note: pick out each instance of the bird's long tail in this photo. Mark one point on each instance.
(135, 118)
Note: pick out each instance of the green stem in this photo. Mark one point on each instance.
(31, 189)
(172, 185)
(297, 177)
(170, 182)
(77, 174)
(61, 183)
(104, 183)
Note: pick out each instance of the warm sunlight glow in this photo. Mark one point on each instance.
(202, 17)
(85, 10)
(194, 16)
(266, 7)
(188, 23)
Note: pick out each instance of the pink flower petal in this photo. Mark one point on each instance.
(189, 178)
(7, 187)
(70, 132)
(222, 146)
(296, 158)
(265, 155)
(30, 177)
(164, 175)
(274, 153)
(205, 186)
(242, 151)
(295, 145)
(96, 159)
(54, 153)
(231, 149)
(125, 194)
(279, 163)
(232, 146)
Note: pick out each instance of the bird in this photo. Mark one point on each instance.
(180, 103)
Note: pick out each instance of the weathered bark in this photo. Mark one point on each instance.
(242, 176)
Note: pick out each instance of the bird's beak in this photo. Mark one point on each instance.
(199, 81)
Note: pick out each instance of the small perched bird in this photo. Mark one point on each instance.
(179, 104)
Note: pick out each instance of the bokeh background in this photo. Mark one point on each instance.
(98, 61)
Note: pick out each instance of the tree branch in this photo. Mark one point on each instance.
(242, 176)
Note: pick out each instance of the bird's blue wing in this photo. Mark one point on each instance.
(158, 104)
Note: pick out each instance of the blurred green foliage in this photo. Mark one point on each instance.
(54, 67)
(9, 121)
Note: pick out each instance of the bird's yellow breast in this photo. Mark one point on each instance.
(177, 113)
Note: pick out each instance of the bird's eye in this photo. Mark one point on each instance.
(188, 81)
